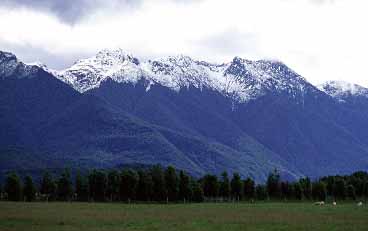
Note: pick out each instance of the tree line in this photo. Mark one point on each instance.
(159, 184)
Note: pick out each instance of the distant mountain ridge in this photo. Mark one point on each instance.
(114, 109)
(240, 79)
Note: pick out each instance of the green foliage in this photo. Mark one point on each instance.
(236, 187)
(113, 185)
(97, 182)
(81, 187)
(185, 190)
(340, 188)
(145, 186)
(365, 192)
(198, 195)
(319, 191)
(225, 187)
(273, 185)
(249, 189)
(210, 186)
(159, 186)
(13, 187)
(298, 191)
(330, 185)
(306, 186)
(171, 180)
(285, 190)
(29, 190)
(350, 191)
(64, 186)
(261, 192)
(48, 186)
(128, 185)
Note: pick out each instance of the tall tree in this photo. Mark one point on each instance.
(29, 190)
(261, 192)
(292, 193)
(285, 190)
(197, 192)
(184, 187)
(13, 187)
(1, 191)
(113, 185)
(145, 186)
(171, 180)
(366, 189)
(225, 188)
(97, 182)
(330, 185)
(236, 187)
(249, 188)
(350, 191)
(340, 188)
(210, 186)
(319, 191)
(306, 185)
(65, 186)
(298, 191)
(81, 187)
(128, 185)
(48, 186)
(274, 185)
(159, 185)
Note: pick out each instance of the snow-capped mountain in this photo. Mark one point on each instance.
(341, 89)
(117, 109)
(240, 79)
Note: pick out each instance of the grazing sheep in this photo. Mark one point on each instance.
(360, 203)
(319, 203)
(334, 203)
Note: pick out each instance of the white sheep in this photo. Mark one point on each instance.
(334, 203)
(319, 203)
(360, 203)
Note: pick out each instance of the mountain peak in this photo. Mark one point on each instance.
(6, 56)
(342, 89)
(117, 54)
(11, 67)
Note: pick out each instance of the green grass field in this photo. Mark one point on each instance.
(191, 217)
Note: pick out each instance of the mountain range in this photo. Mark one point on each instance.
(242, 116)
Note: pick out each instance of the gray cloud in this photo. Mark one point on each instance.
(71, 11)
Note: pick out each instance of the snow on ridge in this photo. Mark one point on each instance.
(342, 89)
(240, 79)
(174, 72)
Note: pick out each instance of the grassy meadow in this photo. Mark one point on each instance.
(20, 216)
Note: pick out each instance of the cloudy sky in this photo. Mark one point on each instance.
(320, 39)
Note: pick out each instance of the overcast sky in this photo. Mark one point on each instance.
(320, 39)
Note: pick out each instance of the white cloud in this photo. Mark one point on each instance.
(322, 40)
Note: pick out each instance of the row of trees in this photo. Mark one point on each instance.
(170, 185)
(155, 184)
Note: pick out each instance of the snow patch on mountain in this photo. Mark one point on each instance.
(341, 89)
(240, 79)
